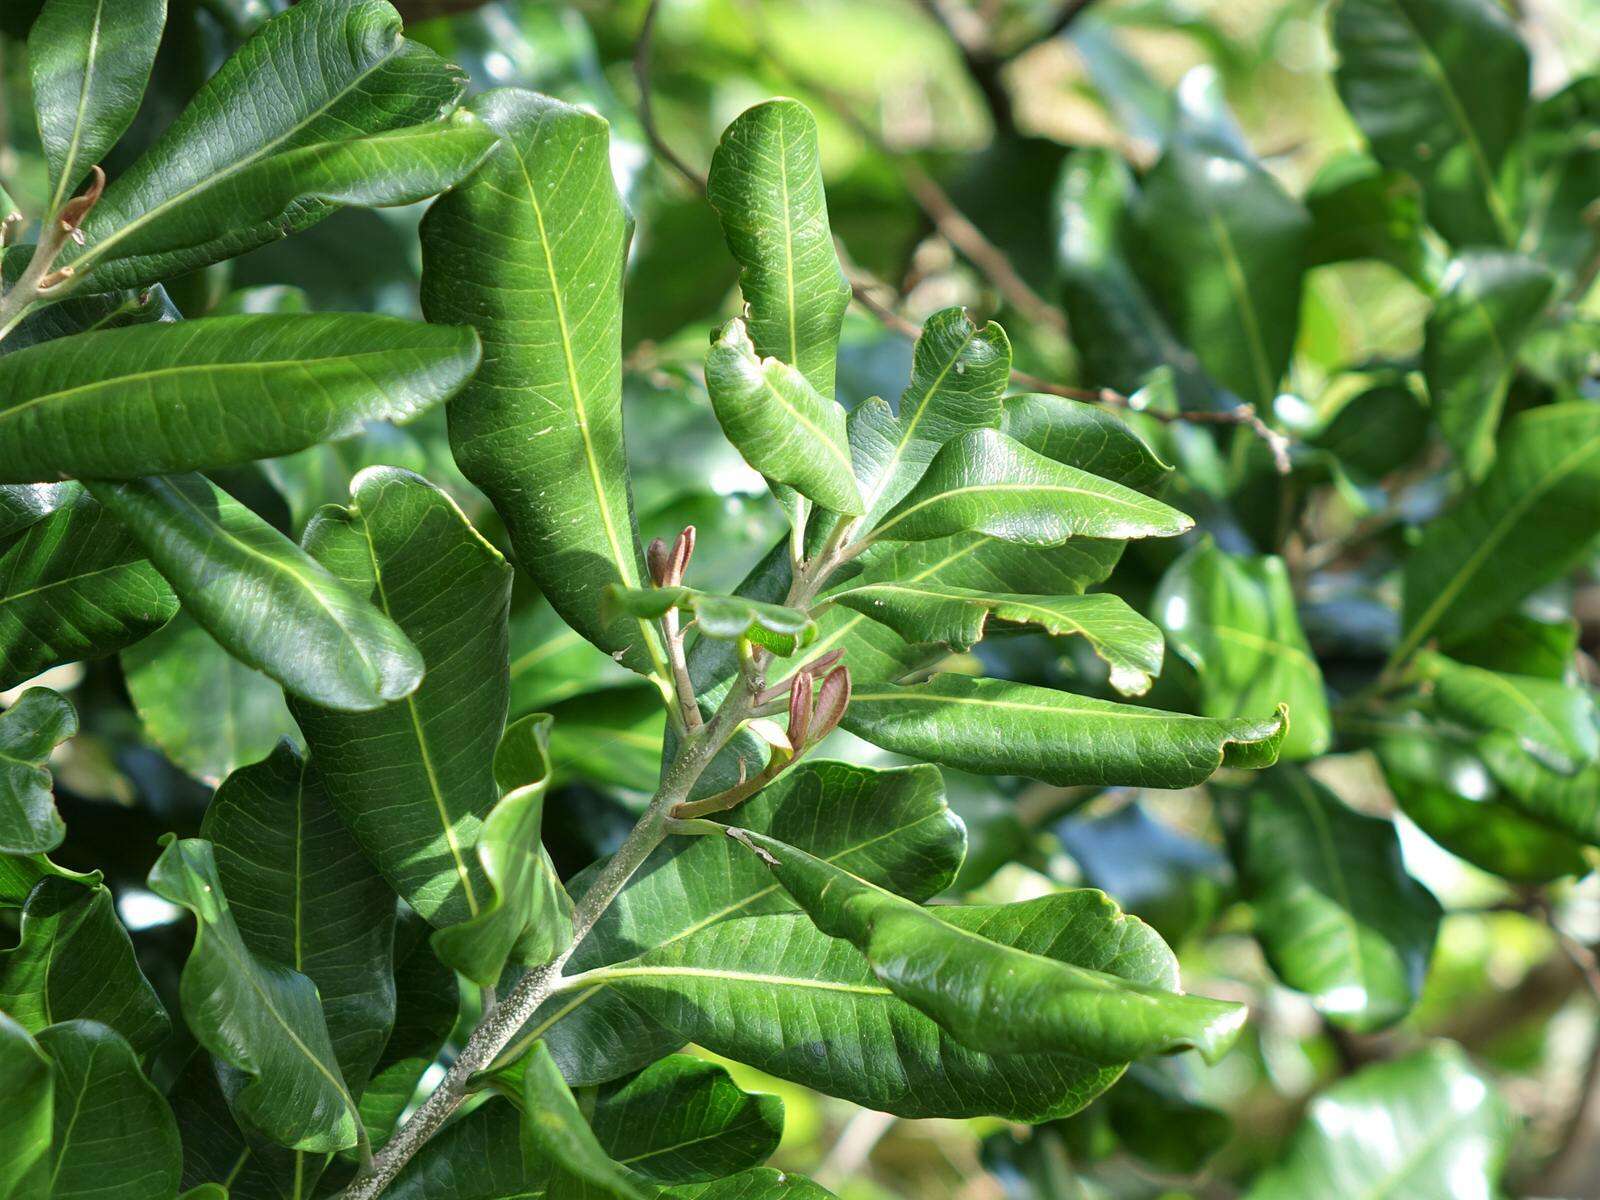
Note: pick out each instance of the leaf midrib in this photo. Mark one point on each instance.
(968, 489)
(91, 60)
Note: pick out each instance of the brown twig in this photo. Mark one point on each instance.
(643, 49)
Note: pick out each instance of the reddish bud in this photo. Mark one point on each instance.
(657, 559)
(75, 210)
(800, 700)
(833, 697)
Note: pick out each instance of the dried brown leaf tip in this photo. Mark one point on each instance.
(75, 210)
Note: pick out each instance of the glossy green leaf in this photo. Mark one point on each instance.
(25, 504)
(230, 175)
(1360, 210)
(554, 1128)
(1377, 431)
(1439, 88)
(414, 780)
(524, 913)
(303, 896)
(91, 313)
(262, 1019)
(1567, 803)
(1429, 1126)
(1130, 645)
(20, 872)
(98, 405)
(726, 618)
(1336, 912)
(1556, 723)
(1071, 431)
(30, 730)
(765, 184)
(1488, 302)
(267, 601)
(1522, 527)
(90, 61)
(985, 482)
(1562, 173)
(75, 586)
(25, 1118)
(992, 726)
(206, 710)
(427, 1006)
(530, 253)
(613, 737)
(1522, 643)
(1156, 1121)
(110, 1122)
(1233, 618)
(74, 960)
(217, 1148)
(783, 426)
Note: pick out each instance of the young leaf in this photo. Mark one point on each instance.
(783, 426)
(1336, 912)
(1130, 645)
(726, 618)
(985, 482)
(554, 1128)
(101, 405)
(1556, 723)
(530, 252)
(1234, 619)
(90, 61)
(993, 726)
(414, 780)
(271, 604)
(765, 184)
(303, 896)
(262, 1019)
(75, 587)
(74, 959)
(30, 730)
(25, 1118)
(110, 1122)
(1071, 432)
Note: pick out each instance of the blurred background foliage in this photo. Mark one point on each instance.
(951, 132)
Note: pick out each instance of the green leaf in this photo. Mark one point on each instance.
(1488, 302)
(553, 1127)
(985, 482)
(262, 1019)
(1130, 645)
(1562, 173)
(268, 602)
(216, 1148)
(30, 730)
(1425, 1127)
(1521, 643)
(100, 405)
(1071, 431)
(1439, 88)
(1567, 803)
(1530, 519)
(75, 586)
(991, 726)
(25, 504)
(1359, 210)
(1336, 913)
(230, 175)
(415, 780)
(959, 372)
(530, 252)
(524, 913)
(111, 1126)
(1555, 723)
(90, 61)
(988, 994)
(74, 960)
(765, 184)
(27, 1083)
(612, 736)
(206, 710)
(303, 896)
(20, 872)
(1377, 431)
(1233, 618)
(726, 618)
(1157, 1122)
(782, 425)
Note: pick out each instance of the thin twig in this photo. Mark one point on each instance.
(643, 49)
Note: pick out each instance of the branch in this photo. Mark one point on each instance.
(981, 62)
(38, 281)
(642, 52)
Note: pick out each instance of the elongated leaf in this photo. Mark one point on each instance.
(1567, 803)
(1130, 645)
(1488, 303)
(1156, 1121)
(229, 175)
(990, 995)
(206, 710)
(25, 504)
(553, 1127)
(530, 253)
(782, 425)
(985, 482)
(1360, 210)
(75, 586)
(30, 730)
(90, 61)
(1562, 173)
(217, 1148)
(1439, 88)
(261, 1018)
(25, 1118)
(1233, 617)
(727, 618)
(427, 1005)
(272, 605)
(1070, 431)
(74, 960)
(1428, 1126)
(303, 896)
(525, 913)
(110, 1122)
(20, 872)
(1522, 527)
(415, 780)
(959, 371)
(991, 726)
(765, 184)
(1336, 913)
(612, 736)
(100, 405)
(1555, 723)
(91, 313)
